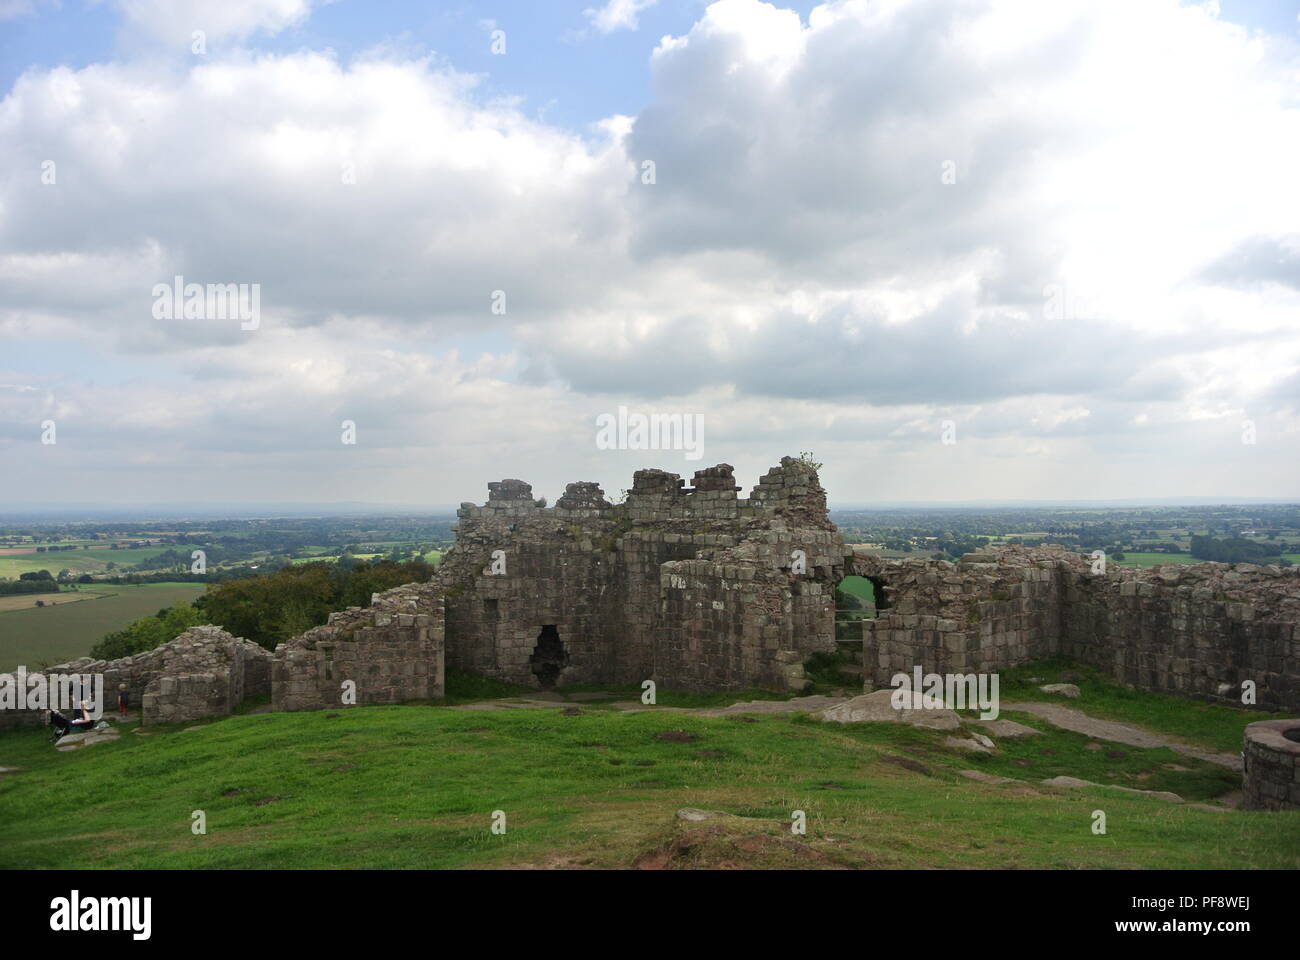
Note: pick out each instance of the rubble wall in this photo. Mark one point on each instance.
(981, 614)
(391, 651)
(1196, 630)
(243, 666)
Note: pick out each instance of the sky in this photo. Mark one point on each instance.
(955, 249)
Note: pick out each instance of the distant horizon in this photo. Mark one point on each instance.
(186, 510)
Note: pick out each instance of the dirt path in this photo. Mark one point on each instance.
(1068, 718)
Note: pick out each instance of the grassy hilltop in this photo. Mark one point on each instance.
(415, 786)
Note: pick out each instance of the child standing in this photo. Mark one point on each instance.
(123, 699)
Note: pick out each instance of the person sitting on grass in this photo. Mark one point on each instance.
(63, 726)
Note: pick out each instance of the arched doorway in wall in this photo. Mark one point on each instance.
(856, 599)
(549, 657)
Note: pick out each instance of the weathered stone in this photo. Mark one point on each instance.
(1077, 783)
(1063, 689)
(1271, 758)
(1007, 728)
(878, 707)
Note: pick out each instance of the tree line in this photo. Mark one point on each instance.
(270, 608)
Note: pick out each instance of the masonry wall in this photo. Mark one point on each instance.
(1198, 630)
(554, 568)
(181, 698)
(978, 615)
(604, 575)
(392, 651)
(1271, 765)
(241, 666)
(1194, 630)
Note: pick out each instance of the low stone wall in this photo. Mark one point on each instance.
(1271, 761)
(244, 665)
(391, 651)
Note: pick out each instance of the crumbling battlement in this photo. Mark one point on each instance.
(694, 587)
(385, 653)
(204, 672)
(1197, 630)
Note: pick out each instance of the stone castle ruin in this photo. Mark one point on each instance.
(700, 589)
(695, 588)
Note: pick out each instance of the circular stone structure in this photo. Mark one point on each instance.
(1271, 759)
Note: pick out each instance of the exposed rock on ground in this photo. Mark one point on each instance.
(983, 777)
(75, 741)
(1064, 689)
(878, 707)
(1007, 729)
(1075, 782)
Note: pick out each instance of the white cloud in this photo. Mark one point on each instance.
(173, 21)
(617, 14)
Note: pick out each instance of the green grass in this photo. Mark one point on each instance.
(1204, 724)
(415, 787)
(49, 635)
(1063, 754)
(463, 687)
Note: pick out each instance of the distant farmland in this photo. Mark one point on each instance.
(1151, 559)
(48, 635)
(14, 564)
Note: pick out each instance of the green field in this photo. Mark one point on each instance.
(49, 635)
(416, 786)
(1151, 559)
(79, 561)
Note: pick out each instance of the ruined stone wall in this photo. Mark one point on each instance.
(240, 669)
(392, 651)
(184, 697)
(205, 672)
(604, 577)
(518, 568)
(983, 614)
(1195, 630)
